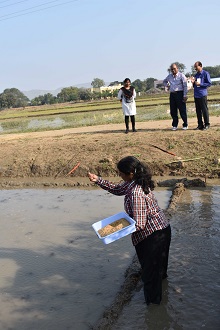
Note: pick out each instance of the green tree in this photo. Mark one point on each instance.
(148, 83)
(138, 85)
(50, 98)
(106, 94)
(214, 71)
(68, 94)
(37, 100)
(96, 95)
(188, 74)
(97, 82)
(13, 98)
(3, 101)
(44, 99)
(115, 92)
(85, 94)
(116, 82)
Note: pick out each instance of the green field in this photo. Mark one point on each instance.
(59, 116)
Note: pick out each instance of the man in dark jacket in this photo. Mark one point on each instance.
(201, 81)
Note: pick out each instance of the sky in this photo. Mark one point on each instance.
(49, 44)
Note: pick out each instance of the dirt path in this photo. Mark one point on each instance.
(38, 156)
(150, 125)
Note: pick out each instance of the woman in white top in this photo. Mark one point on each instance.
(127, 96)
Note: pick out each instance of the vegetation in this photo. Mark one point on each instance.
(95, 112)
(143, 86)
(97, 82)
(13, 98)
(180, 66)
(214, 71)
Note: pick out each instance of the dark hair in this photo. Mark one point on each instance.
(173, 65)
(127, 79)
(199, 63)
(142, 173)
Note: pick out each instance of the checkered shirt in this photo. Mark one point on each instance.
(143, 208)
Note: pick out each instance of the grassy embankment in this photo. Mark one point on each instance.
(58, 116)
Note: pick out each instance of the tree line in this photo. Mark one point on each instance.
(13, 98)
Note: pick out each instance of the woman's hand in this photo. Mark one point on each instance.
(93, 177)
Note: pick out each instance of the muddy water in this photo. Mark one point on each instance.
(191, 294)
(55, 272)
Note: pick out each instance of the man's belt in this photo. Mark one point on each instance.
(176, 92)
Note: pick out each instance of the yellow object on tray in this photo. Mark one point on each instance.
(112, 228)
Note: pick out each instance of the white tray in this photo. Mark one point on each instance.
(118, 234)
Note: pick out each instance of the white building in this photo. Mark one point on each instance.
(216, 81)
(106, 88)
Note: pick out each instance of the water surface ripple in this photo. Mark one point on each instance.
(191, 294)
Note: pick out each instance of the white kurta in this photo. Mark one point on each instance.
(129, 109)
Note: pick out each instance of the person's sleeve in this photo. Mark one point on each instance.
(118, 189)
(207, 81)
(139, 210)
(165, 81)
(185, 89)
(120, 94)
(194, 82)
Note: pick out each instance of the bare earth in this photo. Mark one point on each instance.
(44, 158)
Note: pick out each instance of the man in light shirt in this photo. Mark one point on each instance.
(177, 85)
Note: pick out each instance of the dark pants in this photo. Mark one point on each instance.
(202, 111)
(132, 122)
(176, 102)
(153, 253)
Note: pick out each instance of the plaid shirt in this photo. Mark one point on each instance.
(144, 209)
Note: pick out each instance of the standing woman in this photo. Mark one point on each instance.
(127, 95)
(153, 233)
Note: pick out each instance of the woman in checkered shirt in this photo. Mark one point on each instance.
(153, 233)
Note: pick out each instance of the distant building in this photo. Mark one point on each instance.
(106, 88)
(189, 83)
(159, 84)
(216, 81)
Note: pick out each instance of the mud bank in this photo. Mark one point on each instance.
(79, 182)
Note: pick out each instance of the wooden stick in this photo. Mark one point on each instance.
(64, 167)
(186, 160)
(168, 152)
(73, 169)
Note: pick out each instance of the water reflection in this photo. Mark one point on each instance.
(43, 123)
(55, 272)
(60, 121)
(191, 292)
(215, 105)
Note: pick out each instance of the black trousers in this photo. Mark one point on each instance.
(176, 102)
(153, 253)
(202, 111)
(132, 122)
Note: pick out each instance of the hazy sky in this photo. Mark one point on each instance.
(57, 44)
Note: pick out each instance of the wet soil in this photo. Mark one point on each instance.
(46, 158)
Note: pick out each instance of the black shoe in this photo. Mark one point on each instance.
(127, 130)
(199, 128)
(134, 130)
